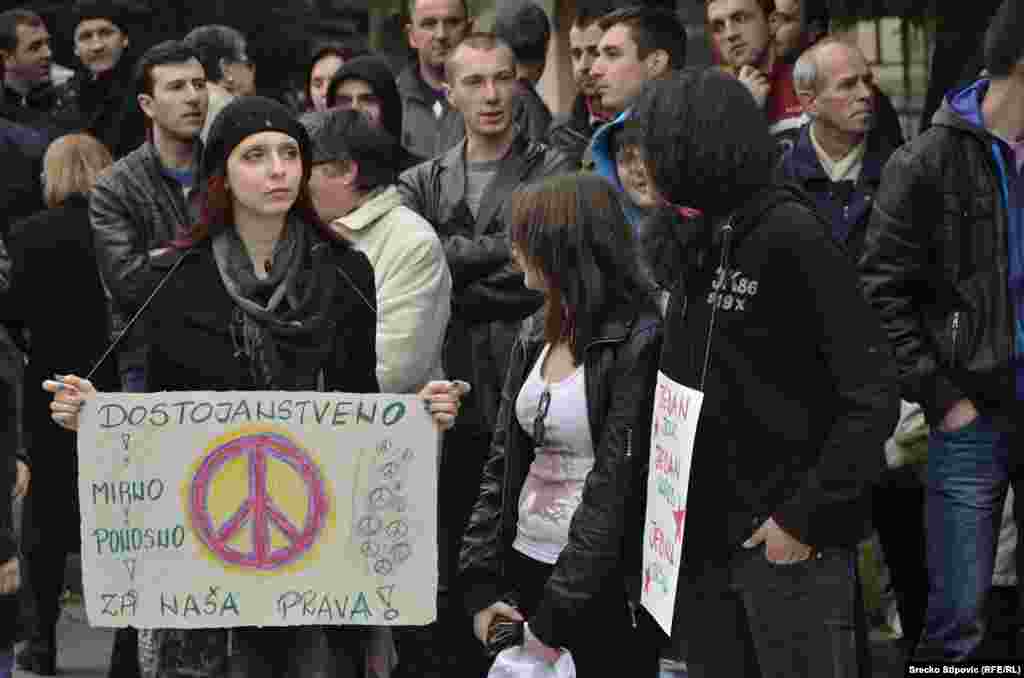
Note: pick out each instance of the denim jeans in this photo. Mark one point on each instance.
(755, 619)
(969, 471)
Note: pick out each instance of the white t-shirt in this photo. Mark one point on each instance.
(554, 485)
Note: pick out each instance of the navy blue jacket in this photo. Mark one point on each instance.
(846, 204)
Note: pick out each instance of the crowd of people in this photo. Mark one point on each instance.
(757, 230)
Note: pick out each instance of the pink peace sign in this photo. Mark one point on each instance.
(258, 511)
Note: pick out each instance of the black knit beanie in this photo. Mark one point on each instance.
(244, 117)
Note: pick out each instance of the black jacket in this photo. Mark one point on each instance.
(572, 133)
(34, 109)
(935, 268)
(189, 333)
(8, 474)
(21, 156)
(488, 296)
(105, 107)
(800, 393)
(58, 239)
(846, 204)
(603, 554)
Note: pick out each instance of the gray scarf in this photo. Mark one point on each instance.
(287, 307)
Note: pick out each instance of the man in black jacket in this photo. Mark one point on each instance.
(100, 97)
(28, 92)
(429, 125)
(766, 319)
(461, 193)
(944, 268)
(571, 133)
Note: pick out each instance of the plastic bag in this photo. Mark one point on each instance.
(515, 662)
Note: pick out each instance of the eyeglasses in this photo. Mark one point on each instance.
(539, 430)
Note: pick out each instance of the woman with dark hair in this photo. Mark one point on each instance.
(326, 61)
(260, 298)
(556, 532)
(57, 239)
(767, 320)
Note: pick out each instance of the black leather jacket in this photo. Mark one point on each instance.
(935, 268)
(572, 133)
(606, 531)
(488, 296)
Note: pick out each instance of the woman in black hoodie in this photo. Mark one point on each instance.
(381, 104)
(766, 318)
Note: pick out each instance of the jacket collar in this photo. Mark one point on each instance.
(412, 86)
(614, 329)
(805, 165)
(370, 212)
(510, 173)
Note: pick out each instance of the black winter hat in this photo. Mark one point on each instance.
(244, 117)
(373, 70)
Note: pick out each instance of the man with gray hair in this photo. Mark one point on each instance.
(838, 156)
(838, 159)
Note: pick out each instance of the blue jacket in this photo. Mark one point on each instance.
(846, 204)
(602, 155)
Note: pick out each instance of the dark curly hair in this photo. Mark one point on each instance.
(706, 142)
(707, 146)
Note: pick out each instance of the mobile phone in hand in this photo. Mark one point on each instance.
(503, 633)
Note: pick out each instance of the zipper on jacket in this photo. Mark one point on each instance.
(520, 345)
(955, 333)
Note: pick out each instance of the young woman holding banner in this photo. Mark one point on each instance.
(261, 298)
(557, 523)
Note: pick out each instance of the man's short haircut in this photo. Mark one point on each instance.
(590, 12)
(480, 41)
(525, 27)
(807, 70)
(767, 7)
(161, 54)
(341, 137)
(410, 8)
(652, 28)
(9, 22)
(213, 43)
(1003, 45)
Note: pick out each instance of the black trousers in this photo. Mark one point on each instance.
(897, 509)
(749, 618)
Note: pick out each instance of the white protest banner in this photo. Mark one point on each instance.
(676, 412)
(223, 509)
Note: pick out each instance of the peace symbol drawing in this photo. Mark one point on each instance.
(258, 501)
